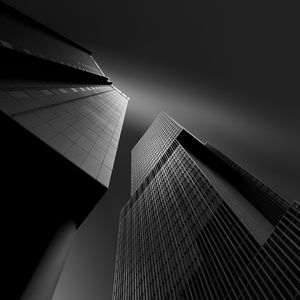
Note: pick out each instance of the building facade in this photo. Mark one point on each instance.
(61, 120)
(198, 226)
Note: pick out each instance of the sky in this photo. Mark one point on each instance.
(227, 71)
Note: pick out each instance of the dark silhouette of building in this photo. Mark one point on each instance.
(198, 226)
(61, 120)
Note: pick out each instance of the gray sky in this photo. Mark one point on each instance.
(225, 70)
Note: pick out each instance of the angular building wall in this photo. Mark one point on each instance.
(82, 123)
(61, 121)
(32, 39)
(196, 226)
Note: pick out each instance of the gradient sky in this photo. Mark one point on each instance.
(228, 71)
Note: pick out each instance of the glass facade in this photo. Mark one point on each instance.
(151, 148)
(83, 123)
(26, 36)
(179, 238)
(61, 121)
(54, 88)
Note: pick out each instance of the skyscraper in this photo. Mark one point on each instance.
(61, 120)
(198, 226)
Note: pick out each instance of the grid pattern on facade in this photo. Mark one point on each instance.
(21, 99)
(150, 176)
(274, 271)
(179, 239)
(151, 147)
(82, 123)
(261, 196)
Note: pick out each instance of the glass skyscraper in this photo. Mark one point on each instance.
(61, 120)
(198, 226)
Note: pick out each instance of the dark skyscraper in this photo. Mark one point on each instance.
(61, 120)
(198, 226)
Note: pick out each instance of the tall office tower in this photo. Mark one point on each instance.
(61, 120)
(198, 226)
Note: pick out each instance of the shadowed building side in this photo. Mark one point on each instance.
(198, 226)
(61, 122)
